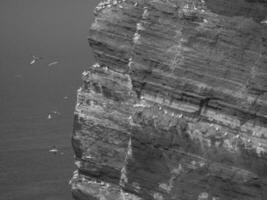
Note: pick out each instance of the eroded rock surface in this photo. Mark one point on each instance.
(176, 105)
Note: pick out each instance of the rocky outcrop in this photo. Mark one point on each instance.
(176, 105)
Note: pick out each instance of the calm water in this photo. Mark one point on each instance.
(56, 30)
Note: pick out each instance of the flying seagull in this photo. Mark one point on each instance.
(53, 150)
(53, 63)
(35, 59)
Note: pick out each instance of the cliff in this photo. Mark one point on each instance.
(176, 105)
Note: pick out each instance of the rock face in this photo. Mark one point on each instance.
(176, 105)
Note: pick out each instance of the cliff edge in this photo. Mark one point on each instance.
(176, 105)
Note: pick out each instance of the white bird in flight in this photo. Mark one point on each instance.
(53, 63)
(49, 116)
(35, 59)
(53, 150)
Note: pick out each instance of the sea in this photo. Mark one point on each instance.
(57, 31)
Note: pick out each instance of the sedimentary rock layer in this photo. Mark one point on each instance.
(176, 105)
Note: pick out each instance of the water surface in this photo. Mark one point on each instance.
(56, 30)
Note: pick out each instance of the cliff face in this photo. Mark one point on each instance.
(176, 105)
